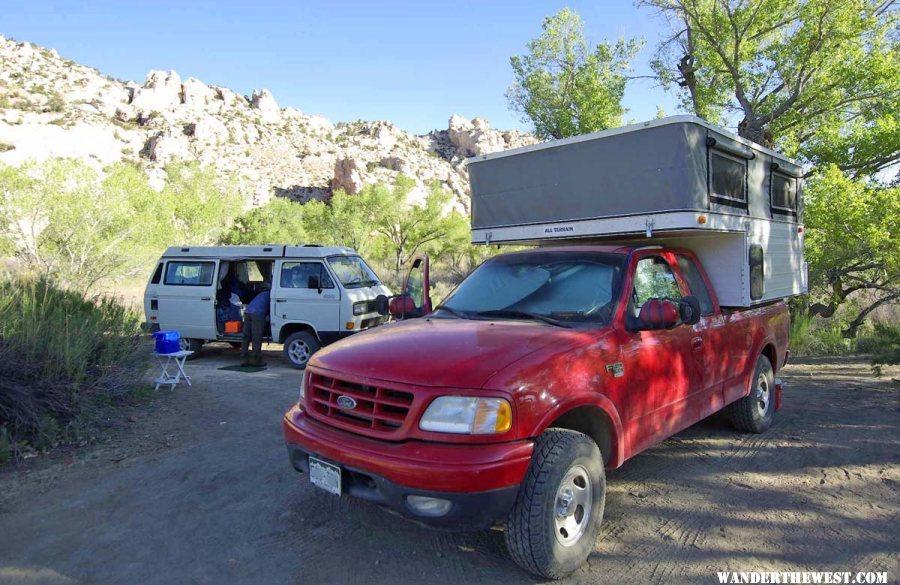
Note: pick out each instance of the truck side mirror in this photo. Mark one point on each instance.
(658, 314)
(689, 310)
(402, 306)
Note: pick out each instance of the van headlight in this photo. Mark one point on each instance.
(467, 415)
(361, 308)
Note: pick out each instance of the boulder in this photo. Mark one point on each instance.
(348, 175)
(473, 137)
(165, 146)
(266, 104)
(195, 94)
(161, 91)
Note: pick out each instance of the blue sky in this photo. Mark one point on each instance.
(414, 63)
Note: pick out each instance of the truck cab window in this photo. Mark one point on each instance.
(696, 283)
(653, 279)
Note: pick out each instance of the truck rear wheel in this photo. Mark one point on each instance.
(554, 521)
(754, 412)
(299, 347)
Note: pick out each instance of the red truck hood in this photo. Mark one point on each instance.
(455, 353)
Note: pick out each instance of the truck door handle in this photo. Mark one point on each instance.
(697, 344)
(205, 299)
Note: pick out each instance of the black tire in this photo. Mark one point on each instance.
(298, 345)
(191, 344)
(533, 537)
(754, 412)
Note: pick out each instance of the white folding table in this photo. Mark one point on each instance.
(167, 360)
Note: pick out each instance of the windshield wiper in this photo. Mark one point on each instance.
(453, 312)
(523, 315)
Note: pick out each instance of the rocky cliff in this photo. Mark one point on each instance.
(54, 107)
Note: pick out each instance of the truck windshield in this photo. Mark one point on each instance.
(567, 287)
(353, 272)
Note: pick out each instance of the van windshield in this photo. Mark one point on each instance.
(560, 287)
(353, 272)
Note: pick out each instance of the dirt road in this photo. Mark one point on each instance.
(198, 489)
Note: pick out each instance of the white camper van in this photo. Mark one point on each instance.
(318, 295)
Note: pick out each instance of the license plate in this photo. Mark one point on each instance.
(325, 476)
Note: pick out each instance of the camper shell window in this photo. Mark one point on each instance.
(190, 273)
(783, 193)
(727, 179)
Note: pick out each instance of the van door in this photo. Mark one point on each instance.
(185, 300)
(415, 298)
(305, 292)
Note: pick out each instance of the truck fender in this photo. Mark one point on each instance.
(617, 447)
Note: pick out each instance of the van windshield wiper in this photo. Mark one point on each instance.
(523, 315)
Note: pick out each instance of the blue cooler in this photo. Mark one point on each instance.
(167, 341)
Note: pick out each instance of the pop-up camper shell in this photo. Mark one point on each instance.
(678, 181)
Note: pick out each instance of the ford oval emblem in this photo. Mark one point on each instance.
(346, 402)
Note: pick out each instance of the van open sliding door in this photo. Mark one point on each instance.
(186, 299)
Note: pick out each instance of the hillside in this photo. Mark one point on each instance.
(53, 107)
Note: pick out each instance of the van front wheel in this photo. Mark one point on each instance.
(299, 347)
(190, 344)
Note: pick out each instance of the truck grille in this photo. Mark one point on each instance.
(379, 411)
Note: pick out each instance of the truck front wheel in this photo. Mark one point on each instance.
(554, 521)
(753, 413)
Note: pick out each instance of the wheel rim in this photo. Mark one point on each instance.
(762, 394)
(573, 506)
(298, 352)
(184, 344)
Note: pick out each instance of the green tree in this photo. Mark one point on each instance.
(280, 221)
(852, 243)
(62, 220)
(563, 86)
(348, 220)
(404, 230)
(204, 203)
(820, 79)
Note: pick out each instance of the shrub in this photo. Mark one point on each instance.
(62, 359)
(4, 147)
(56, 103)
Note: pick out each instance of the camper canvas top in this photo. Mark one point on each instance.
(266, 251)
(654, 176)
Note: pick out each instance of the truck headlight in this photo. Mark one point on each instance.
(360, 308)
(467, 415)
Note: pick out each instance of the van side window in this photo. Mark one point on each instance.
(653, 279)
(696, 284)
(305, 274)
(157, 276)
(190, 273)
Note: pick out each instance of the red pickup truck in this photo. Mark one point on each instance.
(543, 367)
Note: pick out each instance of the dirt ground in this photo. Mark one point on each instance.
(195, 487)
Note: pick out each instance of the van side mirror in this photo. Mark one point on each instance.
(689, 310)
(657, 314)
(313, 282)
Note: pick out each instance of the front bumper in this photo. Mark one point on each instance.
(480, 481)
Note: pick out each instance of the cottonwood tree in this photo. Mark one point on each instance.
(563, 86)
(279, 221)
(348, 220)
(818, 78)
(404, 230)
(853, 244)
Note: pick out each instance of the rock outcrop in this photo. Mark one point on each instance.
(50, 106)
